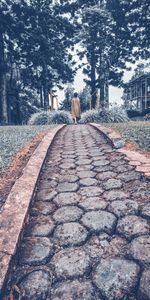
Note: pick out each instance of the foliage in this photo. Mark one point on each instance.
(137, 15)
(60, 117)
(115, 115)
(147, 117)
(40, 118)
(85, 98)
(112, 33)
(35, 41)
(48, 118)
(106, 42)
(37, 45)
(90, 116)
(66, 103)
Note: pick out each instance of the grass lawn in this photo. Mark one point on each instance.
(13, 138)
(137, 132)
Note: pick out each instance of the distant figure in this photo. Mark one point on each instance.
(75, 107)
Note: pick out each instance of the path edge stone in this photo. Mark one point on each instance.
(112, 136)
(14, 213)
(136, 159)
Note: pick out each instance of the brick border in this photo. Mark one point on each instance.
(112, 136)
(14, 213)
(140, 161)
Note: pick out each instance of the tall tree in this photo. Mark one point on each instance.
(35, 38)
(44, 44)
(66, 103)
(116, 39)
(5, 28)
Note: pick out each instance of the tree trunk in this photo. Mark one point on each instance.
(3, 83)
(102, 93)
(3, 92)
(45, 93)
(93, 81)
(41, 98)
(93, 77)
(107, 86)
(45, 87)
(102, 81)
(19, 121)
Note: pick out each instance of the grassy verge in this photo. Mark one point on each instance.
(13, 138)
(136, 132)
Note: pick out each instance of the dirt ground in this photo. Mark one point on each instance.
(15, 169)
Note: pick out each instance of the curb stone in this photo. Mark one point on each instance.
(112, 136)
(140, 161)
(14, 213)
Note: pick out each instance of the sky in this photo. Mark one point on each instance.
(115, 93)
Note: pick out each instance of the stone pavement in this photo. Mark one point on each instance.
(87, 237)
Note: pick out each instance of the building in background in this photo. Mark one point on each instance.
(136, 94)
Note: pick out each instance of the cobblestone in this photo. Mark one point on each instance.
(87, 235)
(66, 199)
(106, 175)
(131, 226)
(88, 182)
(90, 191)
(68, 178)
(43, 208)
(116, 278)
(36, 285)
(100, 163)
(145, 285)
(93, 203)
(99, 221)
(115, 195)
(71, 290)
(140, 249)
(112, 184)
(86, 174)
(70, 234)
(67, 214)
(41, 226)
(122, 208)
(71, 263)
(35, 250)
(67, 187)
(146, 211)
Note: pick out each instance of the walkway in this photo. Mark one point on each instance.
(88, 232)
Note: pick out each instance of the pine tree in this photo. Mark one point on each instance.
(137, 15)
(66, 103)
(35, 38)
(5, 25)
(114, 32)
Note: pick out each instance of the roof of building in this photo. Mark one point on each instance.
(135, 79)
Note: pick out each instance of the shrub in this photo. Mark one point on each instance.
(147, 117)
(40, 118)
(48, 118)
(116, 115)
(119, 114)
(90, 116)
(60, 117)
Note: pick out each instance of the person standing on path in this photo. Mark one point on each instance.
(75, 107)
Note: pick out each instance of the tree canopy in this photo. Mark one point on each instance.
(38, 42)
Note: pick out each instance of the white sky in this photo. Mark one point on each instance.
(115, 93)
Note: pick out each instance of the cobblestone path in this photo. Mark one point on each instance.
(88, 232)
